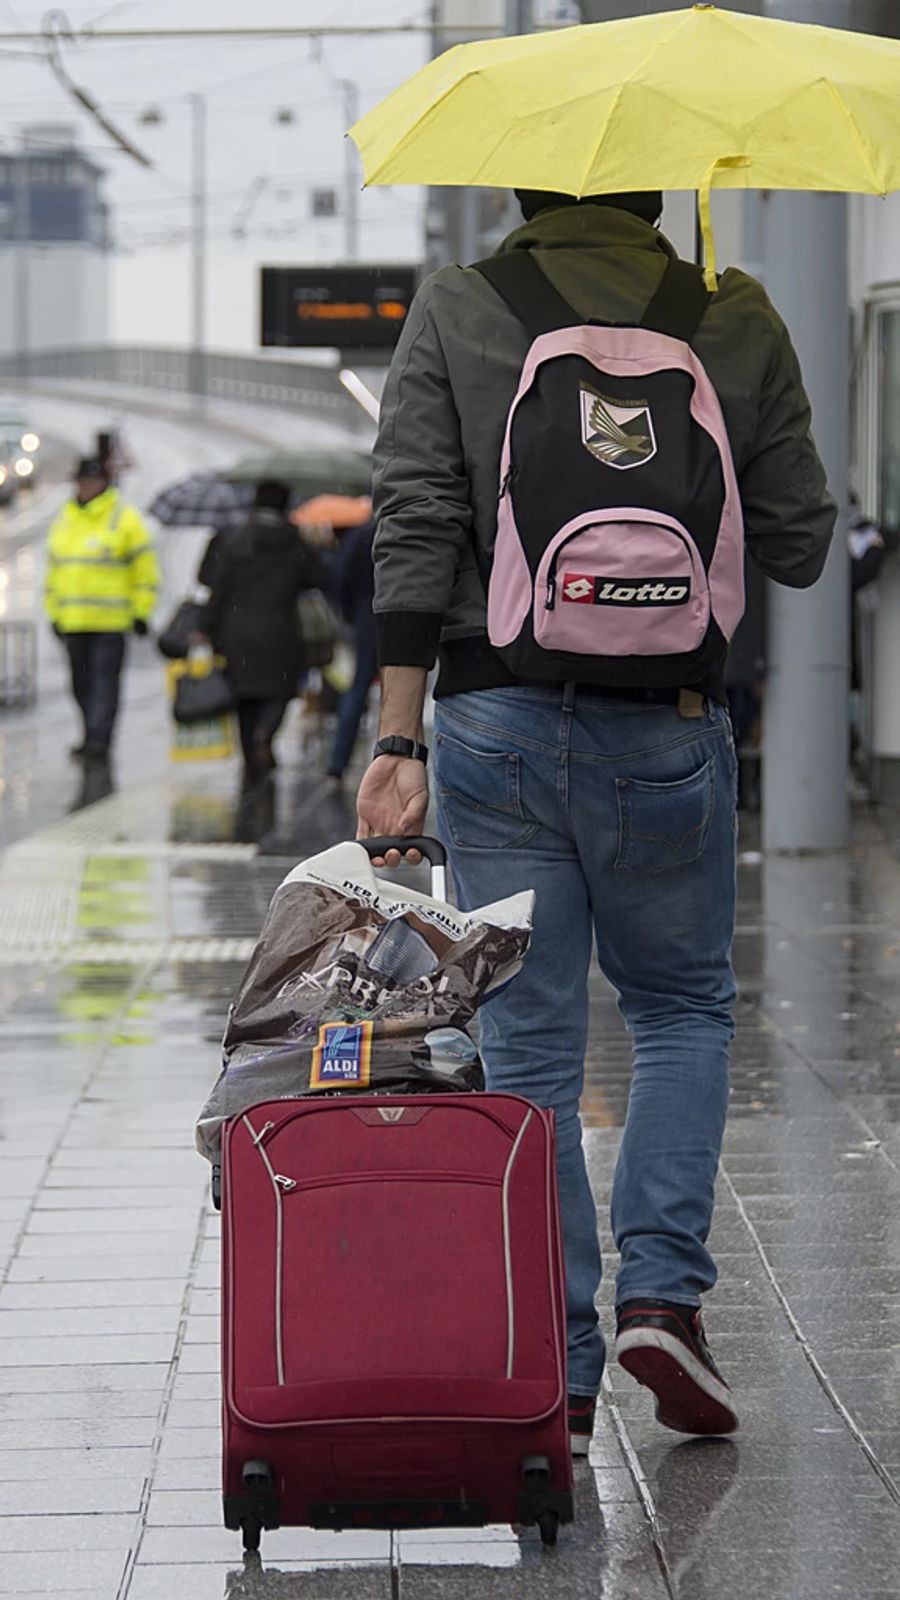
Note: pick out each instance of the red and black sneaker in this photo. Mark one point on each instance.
(665, 1348)
(582, 1411)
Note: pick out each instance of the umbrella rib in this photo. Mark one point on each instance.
(735, 20)
(660, 44)
(855, 134)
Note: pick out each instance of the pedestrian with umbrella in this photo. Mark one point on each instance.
(579, 438)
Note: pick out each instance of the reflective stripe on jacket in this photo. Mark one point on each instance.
(102, 572)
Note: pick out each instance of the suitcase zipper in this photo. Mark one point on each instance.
(279, 1182)
(507, 1252)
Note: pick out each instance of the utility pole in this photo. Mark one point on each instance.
(453, 214)
(197, 359)
(21, 333)
(350, 92)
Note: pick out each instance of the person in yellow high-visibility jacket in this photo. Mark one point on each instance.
(101, 584)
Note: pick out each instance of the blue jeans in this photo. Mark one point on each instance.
(621, 817)
(355, 699)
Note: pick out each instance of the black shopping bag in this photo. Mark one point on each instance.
(174, 642)
(202, 692)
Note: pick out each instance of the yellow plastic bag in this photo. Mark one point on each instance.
(210, 740)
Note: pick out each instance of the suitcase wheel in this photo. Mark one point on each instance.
(251, 1528)
(548, 1523)
(540, 1502)
(256, 1507)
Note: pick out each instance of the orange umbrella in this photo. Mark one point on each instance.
(337, 510)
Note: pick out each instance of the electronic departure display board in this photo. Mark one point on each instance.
(350, 308)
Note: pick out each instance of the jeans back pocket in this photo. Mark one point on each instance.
(664, 825)
(479, 797)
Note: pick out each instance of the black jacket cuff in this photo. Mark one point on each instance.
(408, 638)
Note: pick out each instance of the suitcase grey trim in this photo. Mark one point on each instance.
(279, 1235)
(507, 1252)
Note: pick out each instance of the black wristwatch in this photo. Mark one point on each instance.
(396, 745)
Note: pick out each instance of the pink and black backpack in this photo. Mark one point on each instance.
(620, 543)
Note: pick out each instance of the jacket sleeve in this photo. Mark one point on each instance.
(789, 515)
(422, 499)
(212, 555)
(209, 616)
(143, 565)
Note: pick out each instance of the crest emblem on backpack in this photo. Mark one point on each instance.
(619, 436)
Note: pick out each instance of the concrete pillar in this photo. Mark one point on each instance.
(805, 803)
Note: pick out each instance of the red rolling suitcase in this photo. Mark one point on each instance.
(393, 1316)
(393, 1312)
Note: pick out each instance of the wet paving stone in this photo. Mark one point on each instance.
(109, 1360)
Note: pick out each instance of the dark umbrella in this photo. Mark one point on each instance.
(307, 472)
(202, 501)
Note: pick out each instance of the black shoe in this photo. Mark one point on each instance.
(582, 1412)
(665, 1348)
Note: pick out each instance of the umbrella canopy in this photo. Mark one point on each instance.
(202, 501)
(336, 510)
(676, 100)
(308, 472)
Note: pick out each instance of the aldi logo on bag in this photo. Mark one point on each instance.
(342, 1058)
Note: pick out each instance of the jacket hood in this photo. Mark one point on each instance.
(585, 228)
(267, 529)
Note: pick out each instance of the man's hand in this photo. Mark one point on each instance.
(140, 627)
(393, 799)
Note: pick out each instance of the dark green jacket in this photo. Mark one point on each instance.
(450, 386)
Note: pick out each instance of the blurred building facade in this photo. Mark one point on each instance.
(54, 244)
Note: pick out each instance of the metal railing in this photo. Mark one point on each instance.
(18, 664)
(290, 385)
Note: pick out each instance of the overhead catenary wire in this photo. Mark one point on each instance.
(88, 35)
(56, 28)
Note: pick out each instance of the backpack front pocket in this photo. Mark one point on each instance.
(627, 582)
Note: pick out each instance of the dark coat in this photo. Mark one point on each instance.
(251, 615)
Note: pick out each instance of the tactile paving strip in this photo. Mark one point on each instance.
(120, 952)
(43, 881)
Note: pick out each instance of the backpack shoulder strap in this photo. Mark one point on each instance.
(677, 307)
(528, 292)
(680, 302)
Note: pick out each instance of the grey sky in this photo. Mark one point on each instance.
(245, 83)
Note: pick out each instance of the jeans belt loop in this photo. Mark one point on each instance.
(690, 703)
(568, 700)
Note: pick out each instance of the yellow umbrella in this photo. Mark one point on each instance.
(682, 99)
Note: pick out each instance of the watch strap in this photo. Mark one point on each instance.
(395, 745)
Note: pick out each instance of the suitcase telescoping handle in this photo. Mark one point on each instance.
(431, 849)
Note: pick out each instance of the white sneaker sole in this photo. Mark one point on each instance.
(689, 1398)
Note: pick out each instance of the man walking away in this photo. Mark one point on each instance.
(251, 618)
(582, 746)
(101, 584)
